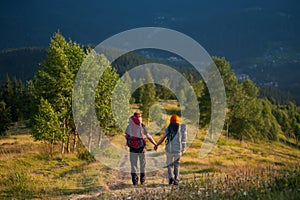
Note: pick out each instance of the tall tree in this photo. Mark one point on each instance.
(128, 84)
(245, 111)
(247, 116)
(16, 102)
(148, 95)
(156, 115)
(47, 125)
(28, 108)
(103, 93)
(54, 80)
(269, 128)
(4, 118)
(163, 92)
(7, 93)
(103, 98)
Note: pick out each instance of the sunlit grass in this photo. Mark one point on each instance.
(27, 171)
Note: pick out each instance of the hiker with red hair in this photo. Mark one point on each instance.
(136, 134)
(175, 145)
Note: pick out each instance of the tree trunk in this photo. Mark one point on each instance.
(75, 140)
(68, 137)
(227, 131)
(211, 132)
(52, 145)
(99, 140)
(90, 138)
(69, 143)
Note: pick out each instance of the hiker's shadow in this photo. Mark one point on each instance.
(120, 186)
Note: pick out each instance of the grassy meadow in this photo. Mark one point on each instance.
(233, 170)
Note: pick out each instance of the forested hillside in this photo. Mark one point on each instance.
(248, 115)
(253, 125)
(21, 63)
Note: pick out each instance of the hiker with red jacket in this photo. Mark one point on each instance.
(176, 142)
(136, 141)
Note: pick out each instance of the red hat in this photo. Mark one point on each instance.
(175, 119)
(136, 118)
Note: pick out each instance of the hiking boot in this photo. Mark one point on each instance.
(134, 184)
(176, 182)
(143, 183)
(171, 181)
(143, 178)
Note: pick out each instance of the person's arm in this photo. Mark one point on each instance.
(151, 139)
(162, 139)
(148, 136)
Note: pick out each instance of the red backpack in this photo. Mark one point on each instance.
(135, 136)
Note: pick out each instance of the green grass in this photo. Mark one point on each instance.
(27, 171)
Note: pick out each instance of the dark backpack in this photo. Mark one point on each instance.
(135, 136)
(176, 138)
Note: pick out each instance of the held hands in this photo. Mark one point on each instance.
(155, 147)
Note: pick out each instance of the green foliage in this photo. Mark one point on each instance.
(248, 117)
(103, 98)
(162, 92)
(127, 61)
(54, 80)
(54, 83)
(269, 127)
(128, 83)
(18, 98)
(20, 184)
(47, 126)
(120, 105)
(156, 115)
(85, 155)
(288, 116)
(27, 101)
(275, 95)
(4, 118)
(148, 95)
(205, 108)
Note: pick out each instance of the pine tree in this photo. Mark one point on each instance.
(156, 115)
(28, 108)
(128, 84)
(16, 102)
(47, 126)
(103, 97)
(7, 94)
(4, 119)
(148, 96)
(54, 81)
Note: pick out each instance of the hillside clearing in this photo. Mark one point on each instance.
(27, 170)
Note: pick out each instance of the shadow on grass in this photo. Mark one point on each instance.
(289, 143)
(49, 194)
(85, 190)
(201, 171)
(130, 186)
(74, 170)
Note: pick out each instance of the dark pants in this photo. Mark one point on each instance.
(135, 155)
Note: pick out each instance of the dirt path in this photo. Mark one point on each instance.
(119, 185)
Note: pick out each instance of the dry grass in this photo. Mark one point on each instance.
(28, 172)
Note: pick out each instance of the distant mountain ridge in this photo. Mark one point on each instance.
(234, 29)
(268, 71)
